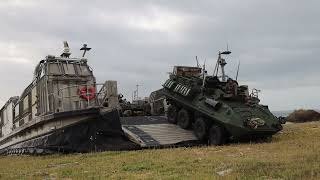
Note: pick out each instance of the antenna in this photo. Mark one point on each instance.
(197, 61)
(216, 68)
(203, 74)
(136, 93)
(132, 96)
(238, 70)
(205, 71)
(221, 62)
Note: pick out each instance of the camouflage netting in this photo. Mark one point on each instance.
(303, 115)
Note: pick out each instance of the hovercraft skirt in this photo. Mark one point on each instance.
(99, 134)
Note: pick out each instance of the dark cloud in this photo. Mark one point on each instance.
(138, 42)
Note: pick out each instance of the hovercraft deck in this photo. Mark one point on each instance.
(156, 132)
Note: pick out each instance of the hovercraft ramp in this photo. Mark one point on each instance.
(156, 132)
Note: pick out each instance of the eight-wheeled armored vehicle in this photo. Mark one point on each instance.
(215, 106)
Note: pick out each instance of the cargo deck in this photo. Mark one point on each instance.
(156, 132)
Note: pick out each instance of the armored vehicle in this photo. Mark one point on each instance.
(62, 109)
(157, 103)
(154, 105)
(215, 106)
(134, 108)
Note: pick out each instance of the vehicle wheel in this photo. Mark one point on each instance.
(200, 128)
(264, 139)
(216, 135)
(172, 114)
(127, 113)
(184, 119)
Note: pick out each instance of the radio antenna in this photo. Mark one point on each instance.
(203, 75)
(198, 65)
(238, 70)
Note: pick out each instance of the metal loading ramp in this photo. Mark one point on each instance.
(155, 131)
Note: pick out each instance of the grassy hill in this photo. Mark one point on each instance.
(292, 154)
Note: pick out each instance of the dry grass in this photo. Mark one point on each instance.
(292, 154)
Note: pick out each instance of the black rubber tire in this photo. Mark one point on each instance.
(263, 139)
(172, 114)
(184, 119)
(217, 135)
(200, 129)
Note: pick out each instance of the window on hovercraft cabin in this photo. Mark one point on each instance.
(5, 117)
(26, 104)
(54, 69)
(69, 69)
(16, 111)
(1, 118)
(82, 70)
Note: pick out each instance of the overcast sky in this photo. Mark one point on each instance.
(139, 42)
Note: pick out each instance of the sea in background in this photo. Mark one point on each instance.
(282, 113)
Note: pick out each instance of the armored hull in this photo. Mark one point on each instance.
(232, 118)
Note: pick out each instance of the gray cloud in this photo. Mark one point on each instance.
(138, 42)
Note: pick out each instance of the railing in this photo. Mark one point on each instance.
(69, 96)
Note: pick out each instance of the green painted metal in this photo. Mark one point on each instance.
(225, 104)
